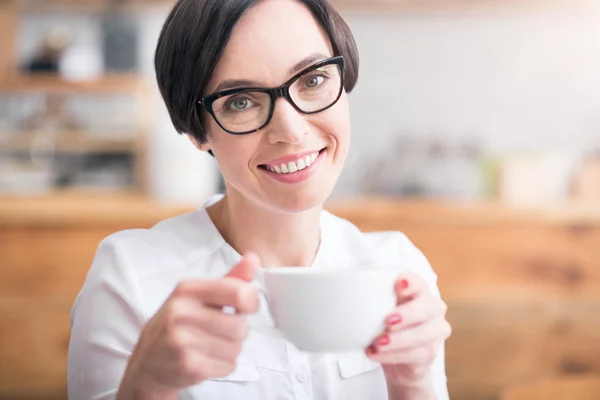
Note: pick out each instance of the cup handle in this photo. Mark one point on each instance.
(259, 322)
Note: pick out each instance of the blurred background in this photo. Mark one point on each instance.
(476, 131)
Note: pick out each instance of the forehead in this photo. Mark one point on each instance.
(269, 39)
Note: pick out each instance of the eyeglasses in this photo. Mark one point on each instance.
(246, 110)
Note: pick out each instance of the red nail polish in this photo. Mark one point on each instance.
(402, 284)
(383, 340)
(394, 319)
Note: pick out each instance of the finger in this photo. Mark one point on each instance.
(245, 269)
(231, 292)
(221, 293)
(414, 374)
(215, 368)
(188, 338)
(216, 347)
(416, 311)
(416, 356)
(230, 327)
(189, 311)
(409, 286)
(203, 366)
(430, 332)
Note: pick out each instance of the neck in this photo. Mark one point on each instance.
(279, 238)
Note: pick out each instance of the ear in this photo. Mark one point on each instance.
(195, 142)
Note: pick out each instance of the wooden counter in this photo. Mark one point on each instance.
(523, 285)
(71, 210)
(108, 210)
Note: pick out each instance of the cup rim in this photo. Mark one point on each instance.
(352, 270)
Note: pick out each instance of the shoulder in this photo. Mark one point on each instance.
(172, 243)
(149, 263)
(389, 247)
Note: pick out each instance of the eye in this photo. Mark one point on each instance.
(239, 103)
(314, 81)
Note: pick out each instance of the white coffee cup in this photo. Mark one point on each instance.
(328, 310)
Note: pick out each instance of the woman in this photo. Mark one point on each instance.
(148, 323)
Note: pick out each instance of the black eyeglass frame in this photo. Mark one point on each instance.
(275, 93)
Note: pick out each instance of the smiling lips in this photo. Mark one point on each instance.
(294, 169)
(298, 164)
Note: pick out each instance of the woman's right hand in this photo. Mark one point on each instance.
(190, 338)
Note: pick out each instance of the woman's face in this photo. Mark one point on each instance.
(268, 42)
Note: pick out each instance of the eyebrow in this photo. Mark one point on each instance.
(307, 62)
(245, 83)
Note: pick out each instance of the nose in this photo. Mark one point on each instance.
(287, 124)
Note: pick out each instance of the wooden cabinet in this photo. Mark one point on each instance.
(8, 27)
(41, 271)
(523, 287)
(556, 388)
(34, 337)
(92, 5)
(46, 248)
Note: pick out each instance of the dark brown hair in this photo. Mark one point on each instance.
(193, 38)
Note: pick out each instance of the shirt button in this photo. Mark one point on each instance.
(301, 376)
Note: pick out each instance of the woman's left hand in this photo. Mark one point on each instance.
(415, 330)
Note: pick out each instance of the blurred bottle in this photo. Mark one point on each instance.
(120, 39)
(414, 165)
(535, 177)
(50, 51)
(453, 169)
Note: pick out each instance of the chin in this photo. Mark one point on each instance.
(307, 197)
(300, 201)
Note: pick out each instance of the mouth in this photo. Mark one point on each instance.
(294, 166)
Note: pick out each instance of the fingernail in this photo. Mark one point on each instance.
(402, 284)
(382, 340)
(394, 319)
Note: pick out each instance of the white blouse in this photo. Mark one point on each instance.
(135, 271)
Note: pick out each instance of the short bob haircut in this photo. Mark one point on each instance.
(192, 41)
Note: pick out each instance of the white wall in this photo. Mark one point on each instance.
(518, 82)
(514, 81)
(179, 171)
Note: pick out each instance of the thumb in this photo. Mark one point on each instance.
(246, 268)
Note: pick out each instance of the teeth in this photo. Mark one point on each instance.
(294, 166)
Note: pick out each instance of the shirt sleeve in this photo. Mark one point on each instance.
(106, 320)
(421, 266)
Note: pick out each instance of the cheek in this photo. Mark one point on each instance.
(341, 114)
(231, 158)
(233, 153)
(336, 124)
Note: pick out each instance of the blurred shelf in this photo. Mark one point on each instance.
(97, 6)
(106, 193)
(458, 5)
(89, 208)
(114, 83)
(378, 211)
(70, 142)
(91, 6)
